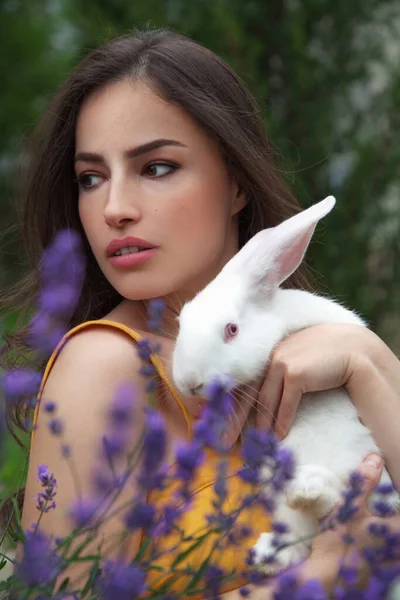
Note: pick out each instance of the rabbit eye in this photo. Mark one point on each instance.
(231, 330)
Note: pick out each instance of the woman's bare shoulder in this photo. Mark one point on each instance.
(82, 383)
(90, 366)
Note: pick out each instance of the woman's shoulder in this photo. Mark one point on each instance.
(92, 359)
(107, 340)
(97, 345)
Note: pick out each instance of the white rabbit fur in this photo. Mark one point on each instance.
(327, 437)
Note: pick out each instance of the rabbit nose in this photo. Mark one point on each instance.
(196, 389)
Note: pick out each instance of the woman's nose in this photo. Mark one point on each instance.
(122, 204)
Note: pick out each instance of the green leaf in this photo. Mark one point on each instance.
(198, 575)
(95, 572)
(186, 552)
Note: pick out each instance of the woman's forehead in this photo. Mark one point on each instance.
(132, 111)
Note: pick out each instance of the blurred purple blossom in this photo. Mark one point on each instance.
(56, 426)
(209, 428)
(122, 410)
(49, 406)
(120, 581)
(189, 456)
(348, 509)
(62, 271)
(156, 309)
(63, 260)
(120, 419)
(21, 384)
(213, 581)
(140, 516)
(45, 333)
(40, 564)
(83, 511)
(155, 442)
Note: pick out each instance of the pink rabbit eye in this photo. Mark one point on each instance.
(231, 330)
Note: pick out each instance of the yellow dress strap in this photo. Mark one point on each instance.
(155, 359)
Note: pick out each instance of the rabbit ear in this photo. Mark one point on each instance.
(272, 255)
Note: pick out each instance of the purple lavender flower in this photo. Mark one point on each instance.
(286, 587)
(155, 442)
(83, 511)
(49, 406)
(220, 397)
(49, 482)
(347, 510)
(66, 450)
(259, 444)
(122, 412)
(120, 581)
(140, 516)
(262, 454)
(189, 456)
(56, 426)
(213, 579)
(57, 301)
(156, 309)
(382, 508)
(102, 481)
(311, 590)
(120, 420)
(244, 592)
(21, 383)
(385, 489)
(114, 445)
(169, 515)
(209, 429)
(44, 333)
(62, 272)
(63, 260)
(284, 469)
(220, 486)
(39, 565)
(145, 349)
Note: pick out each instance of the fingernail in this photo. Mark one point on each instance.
(374, 460)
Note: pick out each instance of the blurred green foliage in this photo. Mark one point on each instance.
(327, 78)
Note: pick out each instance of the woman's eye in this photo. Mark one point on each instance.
(88, 180)
(159, 169)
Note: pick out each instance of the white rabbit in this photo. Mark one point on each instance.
(231, 327)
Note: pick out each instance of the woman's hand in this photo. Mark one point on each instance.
(329, 547)
(319, 358)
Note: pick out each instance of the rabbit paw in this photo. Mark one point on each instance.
(314, 489)
(269, 561)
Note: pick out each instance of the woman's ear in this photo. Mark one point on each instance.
(239, 198)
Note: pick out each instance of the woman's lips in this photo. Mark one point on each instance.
(134, 258)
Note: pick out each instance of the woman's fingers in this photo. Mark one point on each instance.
(371, 471)
(269, 396)
(354, 506)
(288, 406)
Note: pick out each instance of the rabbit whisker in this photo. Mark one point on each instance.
(250, 401)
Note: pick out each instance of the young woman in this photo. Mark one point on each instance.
(153, 142)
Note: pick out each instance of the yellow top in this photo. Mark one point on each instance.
(228, 557)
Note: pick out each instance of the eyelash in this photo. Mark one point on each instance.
(80, 178)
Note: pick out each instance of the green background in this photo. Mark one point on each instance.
(327, 78)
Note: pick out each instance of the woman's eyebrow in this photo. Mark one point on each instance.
(131, 153)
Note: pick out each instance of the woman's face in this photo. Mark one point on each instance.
(147, 170)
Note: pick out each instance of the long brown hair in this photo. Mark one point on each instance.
(183, 72)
